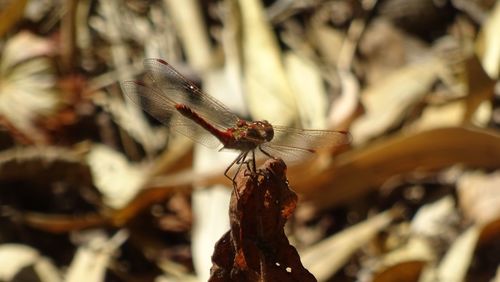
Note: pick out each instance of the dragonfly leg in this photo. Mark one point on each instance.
(266, 153)
(240, 160)
(236, 161)
(253, 161)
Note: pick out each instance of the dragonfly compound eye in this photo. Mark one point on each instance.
(269, 133)
(266, 130)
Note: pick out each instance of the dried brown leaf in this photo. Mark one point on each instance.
(269, 96)
(256, 248)
(59, 192)
(325, 258)
(191, 29)
(62, 223)
(388, 101)
(357, 172)
(305, 78)
(407, 271)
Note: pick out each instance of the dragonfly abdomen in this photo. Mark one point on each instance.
(190, 114)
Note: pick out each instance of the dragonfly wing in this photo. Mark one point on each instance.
(295, 144)
(182, 91)
(289, 154)
(163, 109)
(150, 100)
(193, 131)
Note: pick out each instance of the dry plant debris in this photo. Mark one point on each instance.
(86, 176)
(256, 248)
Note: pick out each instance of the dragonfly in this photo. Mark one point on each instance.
(179, 104)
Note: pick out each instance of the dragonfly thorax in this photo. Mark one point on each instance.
(249, 135)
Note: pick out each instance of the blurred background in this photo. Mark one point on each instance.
(94, 189)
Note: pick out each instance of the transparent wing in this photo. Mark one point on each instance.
(294, 144)
(290, 155)
(180, 90)
(163, 109)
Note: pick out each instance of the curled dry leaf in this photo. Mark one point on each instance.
(357, 172)
(388, 101)
(475, 107)
(256, 248)
(406, 263)
(325, 258)
(27, 83)
(269, 94)
(117, 179)
(58, 194)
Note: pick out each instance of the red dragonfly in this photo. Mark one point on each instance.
(179, 104)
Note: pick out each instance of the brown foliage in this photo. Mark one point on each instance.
(256, 248)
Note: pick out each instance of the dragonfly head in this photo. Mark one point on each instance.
(268, 130)
(261, 130)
